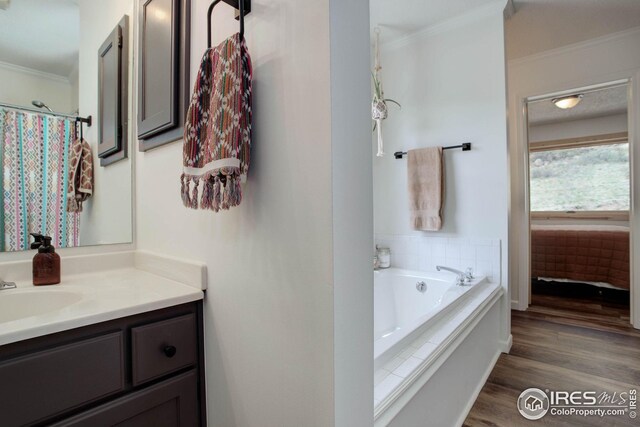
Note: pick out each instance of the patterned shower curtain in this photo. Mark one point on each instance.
(34, 156)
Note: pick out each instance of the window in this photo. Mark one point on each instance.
(580, 179)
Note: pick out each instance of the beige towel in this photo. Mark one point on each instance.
(425, 173)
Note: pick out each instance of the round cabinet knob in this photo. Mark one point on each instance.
(169, 351)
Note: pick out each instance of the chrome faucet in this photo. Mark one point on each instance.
(7, 285)
(462, 277)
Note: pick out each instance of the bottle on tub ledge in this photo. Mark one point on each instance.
(46, 263)
(384, 257)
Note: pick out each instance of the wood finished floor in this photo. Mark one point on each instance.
(562, 344)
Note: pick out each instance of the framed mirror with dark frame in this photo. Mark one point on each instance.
(113, 63)
(51, 181)
(163, 71)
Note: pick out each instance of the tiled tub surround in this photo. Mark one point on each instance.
(424, 252)
(416, 331)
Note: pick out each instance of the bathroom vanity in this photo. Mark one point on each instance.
(142, 370)
(116, 336)
(119, 342)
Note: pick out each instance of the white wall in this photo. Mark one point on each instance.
(20, 86)
(597, 61)
(106, 217)
(578, 128)
(74, 81)
(275, 287)
(352, 213)
(451, 84)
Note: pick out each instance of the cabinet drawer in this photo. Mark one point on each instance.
(163, 347)
(170, 403)
(52, 381)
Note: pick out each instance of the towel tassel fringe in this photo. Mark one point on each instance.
(216, 194)
(207, 193)
(194, 194)
(238, 191)
(184, 190)
(224, 204)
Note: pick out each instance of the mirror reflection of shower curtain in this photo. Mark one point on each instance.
(35, 160)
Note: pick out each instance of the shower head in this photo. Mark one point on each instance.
(41, 104)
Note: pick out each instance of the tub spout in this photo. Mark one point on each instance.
(461, 276)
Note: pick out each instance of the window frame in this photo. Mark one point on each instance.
(582, 142)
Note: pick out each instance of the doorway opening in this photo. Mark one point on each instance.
(579, 193)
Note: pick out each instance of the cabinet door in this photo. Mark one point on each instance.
(53, 381)
(171, 403)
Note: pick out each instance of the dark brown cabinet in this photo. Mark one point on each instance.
(171, 403)
(137, 371)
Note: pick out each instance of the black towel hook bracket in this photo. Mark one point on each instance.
(243, 8)
(80, 122)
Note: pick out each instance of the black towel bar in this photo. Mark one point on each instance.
(465, 147)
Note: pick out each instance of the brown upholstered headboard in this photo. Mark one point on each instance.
(595, 255)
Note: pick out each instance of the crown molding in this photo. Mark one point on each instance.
(36, 73)
(495, 7)
(585, 44)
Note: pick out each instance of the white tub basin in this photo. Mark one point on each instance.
(19, 304)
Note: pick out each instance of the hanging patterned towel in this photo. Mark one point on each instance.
(217, 131)
(80, 175)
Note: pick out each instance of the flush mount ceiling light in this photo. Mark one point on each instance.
(567, 102)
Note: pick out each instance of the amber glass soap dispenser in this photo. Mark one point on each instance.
(46, 263)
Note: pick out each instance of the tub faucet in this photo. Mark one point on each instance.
(6, 285)
(461, 276)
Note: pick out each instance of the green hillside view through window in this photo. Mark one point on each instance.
(580, 179)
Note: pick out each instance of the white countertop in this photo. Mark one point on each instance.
(99, 297)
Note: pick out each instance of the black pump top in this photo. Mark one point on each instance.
(38, 240)
(42, 243)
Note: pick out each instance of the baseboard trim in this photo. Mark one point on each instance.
(506, 345)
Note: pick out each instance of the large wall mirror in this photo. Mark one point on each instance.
(48, 77)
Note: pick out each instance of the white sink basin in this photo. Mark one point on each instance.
(19, 304)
